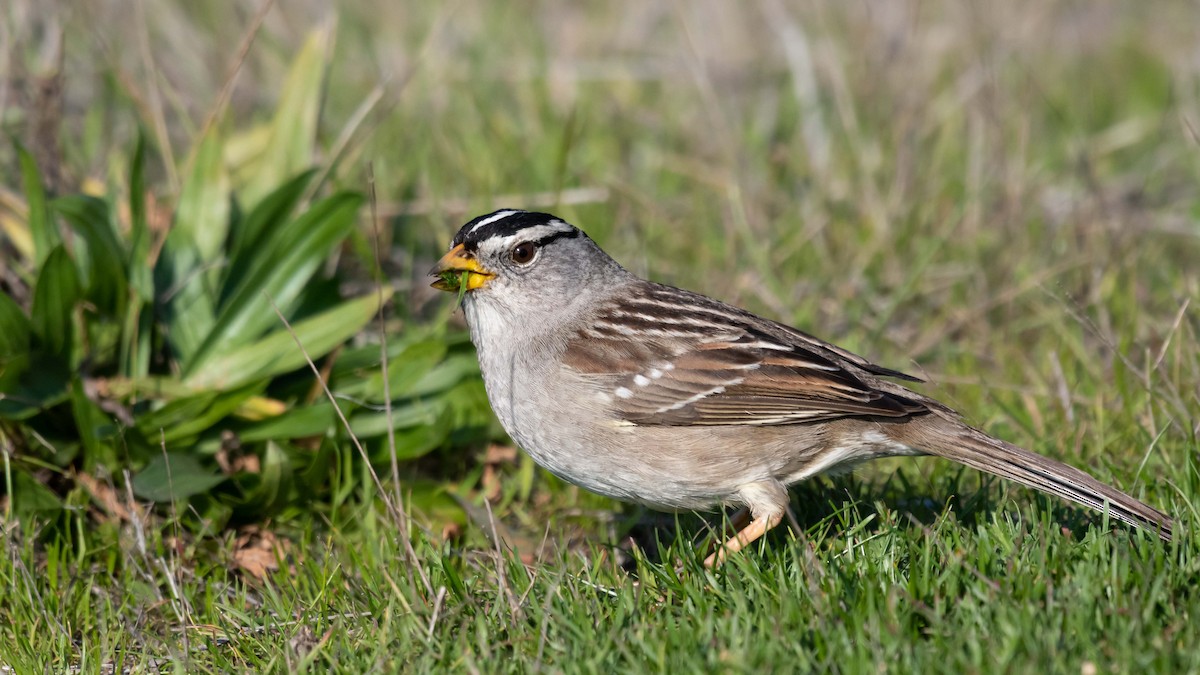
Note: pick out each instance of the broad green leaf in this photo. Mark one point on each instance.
(140, 277)
(249, 233)
(136, 331)
(406, 370)
(419, 414)
(284, 272)
(277, 353)
(446, 374)
(450, 372)
(202, 216)
(187, 417)
(467, 405)
(293, 131)
(44, 385)
(173, 477)
(188, 307)
(188, 268)
(419, 441)
(54, 299)
(313, 420)
(136, 327)
(90, 421)
(14, 342)
(45, 236)
(353, 361)
(31, 498)
(174, 413)
(102, 260)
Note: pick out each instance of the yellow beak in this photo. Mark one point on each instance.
(450, 268)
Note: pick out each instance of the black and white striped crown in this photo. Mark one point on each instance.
(511, 224)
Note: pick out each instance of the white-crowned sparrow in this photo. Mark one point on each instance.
(652, 394)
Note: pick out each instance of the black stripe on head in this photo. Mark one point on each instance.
(504, 223)
(570, 234)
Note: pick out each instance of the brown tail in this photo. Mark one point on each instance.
(980, 451)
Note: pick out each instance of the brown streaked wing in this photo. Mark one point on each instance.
(684, 379)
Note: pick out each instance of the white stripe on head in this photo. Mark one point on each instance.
(499, 215)
(532, 233)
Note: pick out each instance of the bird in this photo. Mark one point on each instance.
(659, 396)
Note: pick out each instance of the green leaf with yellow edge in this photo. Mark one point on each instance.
(277, 353)
(447, 374)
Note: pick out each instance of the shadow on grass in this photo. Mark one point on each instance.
(841, 506)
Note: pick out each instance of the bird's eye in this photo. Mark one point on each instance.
(524, 253)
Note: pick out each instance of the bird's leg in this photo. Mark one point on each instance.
(740, 519)
(766, 501)
(736, 522)
(746, 536)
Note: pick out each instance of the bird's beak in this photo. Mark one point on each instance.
(450, 269)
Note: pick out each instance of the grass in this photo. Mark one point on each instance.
(1003, 199)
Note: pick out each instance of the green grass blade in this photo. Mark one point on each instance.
(139, 232)
(90, 420)
(134, 359)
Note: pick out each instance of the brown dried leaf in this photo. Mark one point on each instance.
(256, 562)
(108, 500)
(500, 454)
(257, 552)
(232, 459)
(493, 457)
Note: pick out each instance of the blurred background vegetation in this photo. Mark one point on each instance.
(1003, 197)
